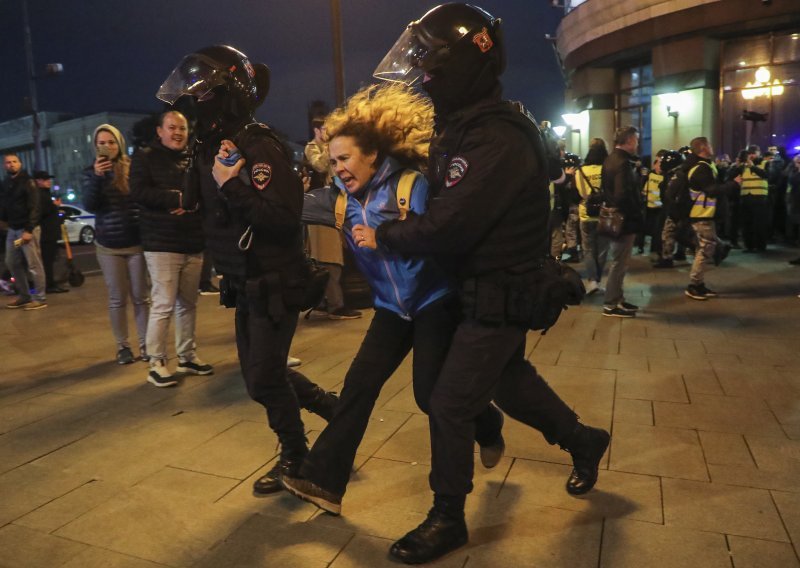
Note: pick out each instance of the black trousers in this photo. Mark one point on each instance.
(263, 346)
(484, 363)
(49, 253)
(755, 218)
(654, 224)
(387, 342)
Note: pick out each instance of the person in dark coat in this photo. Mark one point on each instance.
(106, 193)
(51, 230)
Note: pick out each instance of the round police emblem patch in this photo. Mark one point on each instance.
(261, 175)
(456, 170)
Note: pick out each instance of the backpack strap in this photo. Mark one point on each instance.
(592, 189)
(339, 209)
(404, 192)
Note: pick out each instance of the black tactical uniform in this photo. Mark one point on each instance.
(489, 220)
(253, 231)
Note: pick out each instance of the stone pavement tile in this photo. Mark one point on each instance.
(722, 508)
(751, 476)
(148, 524)
(692, 364)
(661, 329)
(719, 414)
(757, 381)
(17, 502)
(94, 557)
(754, 553)
(775, 453)
(233, 453)
(789, 507)
(16, 415)
(371, 551)
(33, 441)
(504, 533)
(633, 544)
(616, 495)
(65, 509)
(633, 411)
(403, 401)
(411, 443)
(631, 328)
(524, 442)
(28, 548)
(385, 424)
(572, 358)
(689, 348)
(654, 385)
(702, 382)
(667, 452)
(182, 483)
(265, 541)
(642, 346)
(601, 345)
(544, 357)
(721, 448)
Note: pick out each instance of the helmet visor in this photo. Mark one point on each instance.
(403, 62)
(195, 76)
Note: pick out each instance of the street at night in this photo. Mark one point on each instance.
(101, 469)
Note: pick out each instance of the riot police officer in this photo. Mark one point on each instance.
(488, 219)
(251, 219)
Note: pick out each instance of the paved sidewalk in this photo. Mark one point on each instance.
(100, 469)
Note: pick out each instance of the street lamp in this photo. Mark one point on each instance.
(50, 69)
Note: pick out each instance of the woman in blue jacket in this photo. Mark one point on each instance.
(379, 137)
(106, 193)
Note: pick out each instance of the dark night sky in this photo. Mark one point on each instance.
(116, 54)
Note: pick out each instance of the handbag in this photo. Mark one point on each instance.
(610, 221)
(594, 200)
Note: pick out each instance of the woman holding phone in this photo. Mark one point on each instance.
(119, 250)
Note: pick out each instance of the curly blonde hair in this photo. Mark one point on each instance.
(390, 119)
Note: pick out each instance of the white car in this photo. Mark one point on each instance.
(79, 224)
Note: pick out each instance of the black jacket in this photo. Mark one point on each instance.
(620, 182)
(51, 221)
(22, 207)
(703, 178)
(116, 222)
(267, 196)
(157, 179)
(490, 206)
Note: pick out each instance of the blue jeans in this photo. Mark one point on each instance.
(175, 278)
(32, 253)
(619, 251)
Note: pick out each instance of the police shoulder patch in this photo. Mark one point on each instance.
(261, 175)
(456, 170)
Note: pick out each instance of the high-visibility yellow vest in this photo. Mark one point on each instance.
(752, 184)
(703, 207)
(552, 195)
(652, 190)
(594, 174)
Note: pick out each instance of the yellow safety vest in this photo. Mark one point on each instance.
(752, 184)
(552, 195)
(703, 207)
(594, 175)
(653, 191)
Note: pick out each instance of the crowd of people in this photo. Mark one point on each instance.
(689, 200)
(442, 201)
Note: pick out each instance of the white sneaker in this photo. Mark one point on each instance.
(159, 375)
(194, 366)
(293, 361)
(592, 287)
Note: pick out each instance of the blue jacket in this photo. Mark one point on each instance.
(403, 285)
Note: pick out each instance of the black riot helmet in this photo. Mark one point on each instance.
(225, 85)
(671, 160)
(457, 52)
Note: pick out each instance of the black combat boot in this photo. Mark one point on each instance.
(322, 403)
(587, 446)
(443, 531)
(293, 452)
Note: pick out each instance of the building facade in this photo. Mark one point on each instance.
(677, 69)
(67, 146)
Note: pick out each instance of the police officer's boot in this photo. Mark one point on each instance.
(443, 531)
(322, 403)
(293, 451)
(587, 446)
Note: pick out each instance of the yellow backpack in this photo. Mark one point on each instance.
(403, 197)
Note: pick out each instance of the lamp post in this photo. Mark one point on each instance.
(338, 56)
(50, 69)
